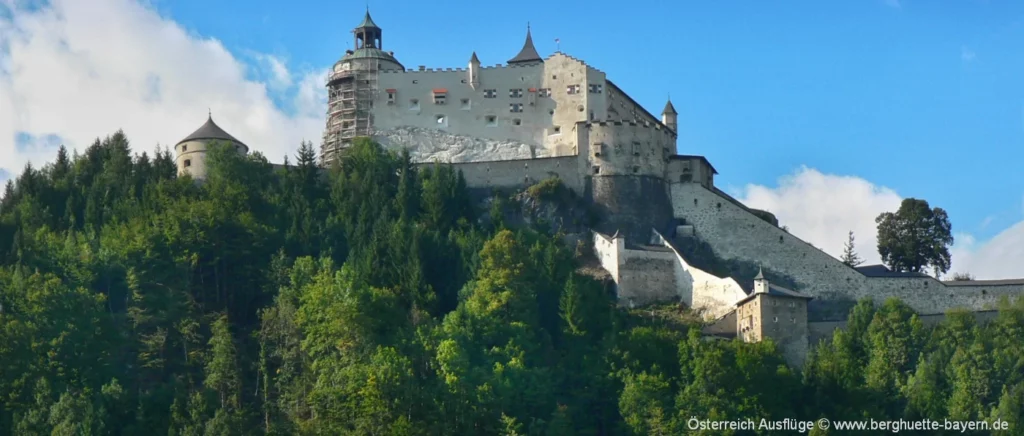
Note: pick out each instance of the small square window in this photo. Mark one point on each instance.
(184, 148)
(414, 104)
(597, 170)
(440, 119)
(464, 104)
(188, 163)
(492, 120)
(557, 130)
(595, 89)
(490, 93)
(440, 97)
(636, 169)
(517, 122)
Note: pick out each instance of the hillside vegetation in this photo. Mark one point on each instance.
(376, 300)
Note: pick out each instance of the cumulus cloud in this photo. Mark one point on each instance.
(821, 208)
(66, 78)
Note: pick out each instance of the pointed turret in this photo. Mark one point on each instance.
(669, 117)
(760, 283)
(529, 53)
(474, 71)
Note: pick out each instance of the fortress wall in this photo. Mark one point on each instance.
(522, 172)
(704, 292)
(646, 277)
(823, 330)
(630, 205)
(735, 233)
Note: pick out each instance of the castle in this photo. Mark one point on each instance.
(559, 117)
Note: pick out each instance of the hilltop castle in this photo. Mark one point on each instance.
(532, 118)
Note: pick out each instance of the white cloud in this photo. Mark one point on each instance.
(966, 54)
(821, 208)
(79, 70)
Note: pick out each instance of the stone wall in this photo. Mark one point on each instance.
(521, 172)
(822, 330)
(707, 294)
(630, 205)
(607, 251)
(647, 276)
(735, 233)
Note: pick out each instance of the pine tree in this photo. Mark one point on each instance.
(850, 256)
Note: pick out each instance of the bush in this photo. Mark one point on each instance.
(547, 189)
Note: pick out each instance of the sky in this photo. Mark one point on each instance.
(824, 113)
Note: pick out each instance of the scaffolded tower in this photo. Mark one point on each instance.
(352, 89)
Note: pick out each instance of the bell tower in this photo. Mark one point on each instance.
(367, 34)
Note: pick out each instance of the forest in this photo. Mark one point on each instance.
(381, 298)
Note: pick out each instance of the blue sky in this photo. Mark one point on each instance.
(825, 113)
(924, 97)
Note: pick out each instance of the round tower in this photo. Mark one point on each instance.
(190, 153)
(626, 181)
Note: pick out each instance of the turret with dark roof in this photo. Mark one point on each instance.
(529, 53)
(210, 131)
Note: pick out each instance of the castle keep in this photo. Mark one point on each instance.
(511, 125)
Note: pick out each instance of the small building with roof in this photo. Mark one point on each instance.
(771, 311)
(190, 153)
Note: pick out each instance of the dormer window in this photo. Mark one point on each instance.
(440, 95)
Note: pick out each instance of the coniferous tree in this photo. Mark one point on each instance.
(850, 256)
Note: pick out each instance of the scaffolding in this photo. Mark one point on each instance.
(350, 97)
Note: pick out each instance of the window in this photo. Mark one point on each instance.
(596, 89)
(636, 169)
(440, 96)
(515, 93)
(598, 148)
(440, 119)
(557, 130)
(415, 82)
(188, 163)
(573, 89)
(554, 76)
(517, 122)
(515, 107)
(492, 120)
(490, 93)
(464, 104)
(184, 148)
(597, 170)
(636, 148)
(391, 95)
(775, 319)
(544, 92)
(414, 105)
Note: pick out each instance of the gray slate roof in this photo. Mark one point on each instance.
(367, 22)
(210, 131)
(528, 53)
(371, 53)
(669, 109)
(777, 291)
